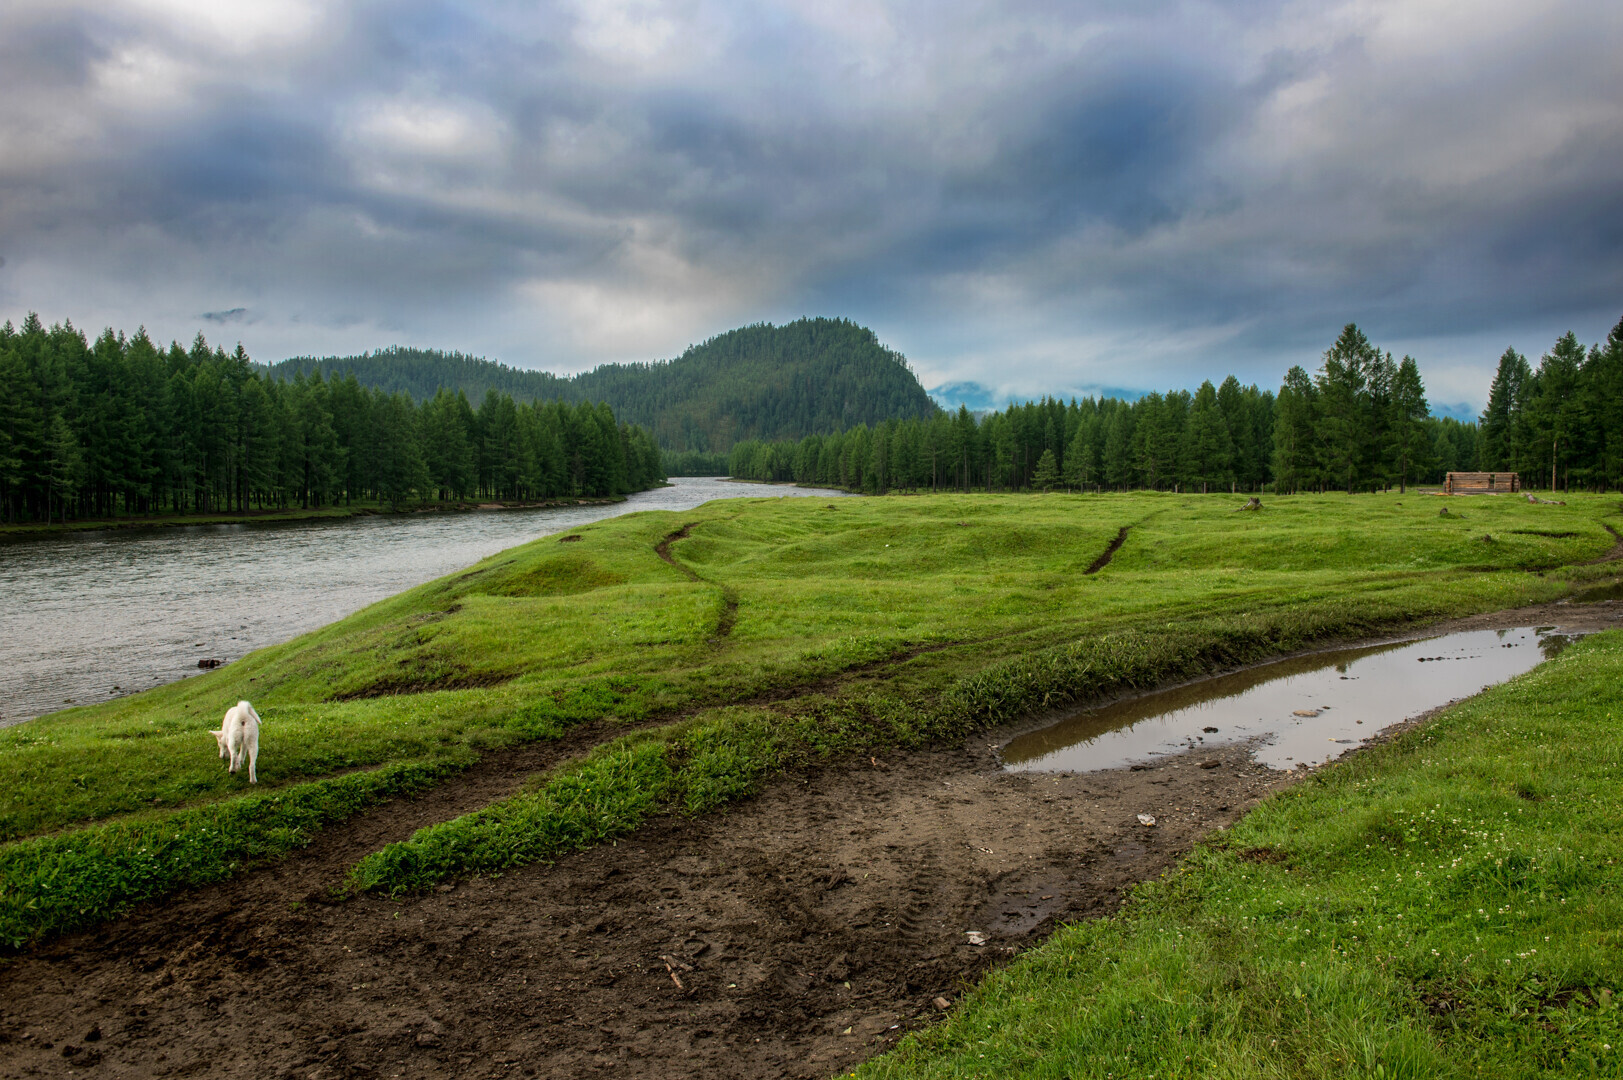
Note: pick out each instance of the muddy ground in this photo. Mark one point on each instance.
(796, 934)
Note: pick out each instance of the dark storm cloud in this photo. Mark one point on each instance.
(1031, 197)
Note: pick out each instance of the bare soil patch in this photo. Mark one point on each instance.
(663, 550)
(802, 931)
(1109, 553)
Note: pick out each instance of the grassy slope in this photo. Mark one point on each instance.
(1447, 905)
(853, 622)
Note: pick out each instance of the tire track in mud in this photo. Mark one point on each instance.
(1615, 555)
(809, 928)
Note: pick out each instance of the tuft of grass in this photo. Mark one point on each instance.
(1447, 905)
(693, 767)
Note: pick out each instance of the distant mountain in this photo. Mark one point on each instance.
(809, 377)
(979, 399)
(971, 395)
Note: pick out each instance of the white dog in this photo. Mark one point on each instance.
(239, 738)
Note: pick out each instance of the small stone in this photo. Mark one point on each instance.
(1147, 820)
(942, 1003)
(1210, 764)
(427, 1039)
(94, 1034)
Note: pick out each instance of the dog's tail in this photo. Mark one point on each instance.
(249, 709)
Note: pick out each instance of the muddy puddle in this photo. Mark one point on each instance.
(1305, 710)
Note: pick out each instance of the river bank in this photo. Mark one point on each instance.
(292, 514)
(95, 615)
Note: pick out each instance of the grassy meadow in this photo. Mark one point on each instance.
(778, 631)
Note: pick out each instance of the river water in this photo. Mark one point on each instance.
(88, 616)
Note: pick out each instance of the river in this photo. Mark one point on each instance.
(88, 616)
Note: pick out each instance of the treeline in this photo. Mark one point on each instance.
(811, 376)
(121, 426)
(1360, 423)
(422, 373)
(1160, 440)
(1560, 425)
(695, 463)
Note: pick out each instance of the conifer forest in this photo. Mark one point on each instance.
(121, 426)
(1360, 423)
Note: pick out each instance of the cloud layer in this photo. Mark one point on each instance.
(1034, 197)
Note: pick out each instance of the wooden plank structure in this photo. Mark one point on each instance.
(1481, 483)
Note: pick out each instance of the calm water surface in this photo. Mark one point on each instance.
(1306, 710)
(91, 615)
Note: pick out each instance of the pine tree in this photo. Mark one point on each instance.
(1079, 456)
(1295, 424)
(65, 467)
(1552, 415)
(1501, 419)
(1206, 450)
(1344, 410)
(1601, 412)
(1118, 453)
(1046, 476)
(1408, 415)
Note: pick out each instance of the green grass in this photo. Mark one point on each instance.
(53, 884)
(855, 623)
(1448, 905)
(723, 754)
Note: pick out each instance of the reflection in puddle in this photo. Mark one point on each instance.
(1310, 709)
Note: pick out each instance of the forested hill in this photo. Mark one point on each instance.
(809, 377)
(420, 373)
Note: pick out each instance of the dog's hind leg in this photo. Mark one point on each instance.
(252, 747)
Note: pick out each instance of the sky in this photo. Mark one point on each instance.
(1027, 197)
